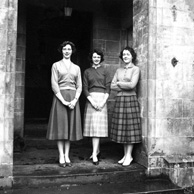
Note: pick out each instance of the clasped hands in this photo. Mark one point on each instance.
(71, 104)
(97, 106)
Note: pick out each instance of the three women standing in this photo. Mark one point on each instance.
(126, 126)
(65, 121)
(96, 86)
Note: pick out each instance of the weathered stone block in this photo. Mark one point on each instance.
(151, 108)
(20, 79)
(144, 124)
(155, 147)
(178, 145)
(20, 65)
(19, 122)
(5, 169)
(9, 126)
(142, 89)
(3, 39)
(143, 104)
(188, 108)
(19, 91)
(10, 62)
(19, 104)
(100, 22)
(151, 89)
(2, 61)
(9, 106)
(21, 39)
(6, 152)
(112, 46)
(9, 83)
(21, 52)
(6, 182)
(100, 44)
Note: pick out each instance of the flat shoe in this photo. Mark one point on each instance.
(63, 165)
(127, 163)
(69, 164)
(95, 163)
(121, 161)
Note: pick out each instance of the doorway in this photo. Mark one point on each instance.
(96, 25)
(44, 33)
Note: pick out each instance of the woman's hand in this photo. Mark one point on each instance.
(66, 103)
(94, 105)
(119, 84)
(72, 103)
(101, 105)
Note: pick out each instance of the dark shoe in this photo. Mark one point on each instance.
(95, 163)
(69, 164)
(63, 165)
(98, 156)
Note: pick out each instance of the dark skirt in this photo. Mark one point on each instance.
(126, 122)
(64, 123)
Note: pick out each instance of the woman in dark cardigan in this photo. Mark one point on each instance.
(96, 86)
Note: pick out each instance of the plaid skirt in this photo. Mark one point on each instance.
(64, 123)
(95, 122)
(126, 122)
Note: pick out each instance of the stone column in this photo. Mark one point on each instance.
(140, 44)
(8, 33)
(164, 41)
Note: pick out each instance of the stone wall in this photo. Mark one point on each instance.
(168, 112)
(20, 70)
(8, 33)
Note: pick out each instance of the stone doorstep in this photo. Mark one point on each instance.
(48, 175)
(180, 161)
(180, 170)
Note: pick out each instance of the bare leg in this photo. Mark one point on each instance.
(123, 158)
(60, 145)
(98, 151)
(95, 144)
(67, 149)
(128, 157)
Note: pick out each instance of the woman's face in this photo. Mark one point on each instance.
(67, 51)
(127, 57)
(96, 59)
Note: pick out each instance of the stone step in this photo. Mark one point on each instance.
(45, 175)
(133, 178)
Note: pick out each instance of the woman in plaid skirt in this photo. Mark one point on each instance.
(96, 87)
(126, 124)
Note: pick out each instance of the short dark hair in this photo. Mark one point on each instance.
(63, 44)
(131, 50)
(98, 52)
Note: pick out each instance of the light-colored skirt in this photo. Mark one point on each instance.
(64, 123)
(95, 122)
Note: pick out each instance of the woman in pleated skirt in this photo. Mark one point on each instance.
(65, 121)
(126, 122)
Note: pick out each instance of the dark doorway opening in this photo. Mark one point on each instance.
(44, 34)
